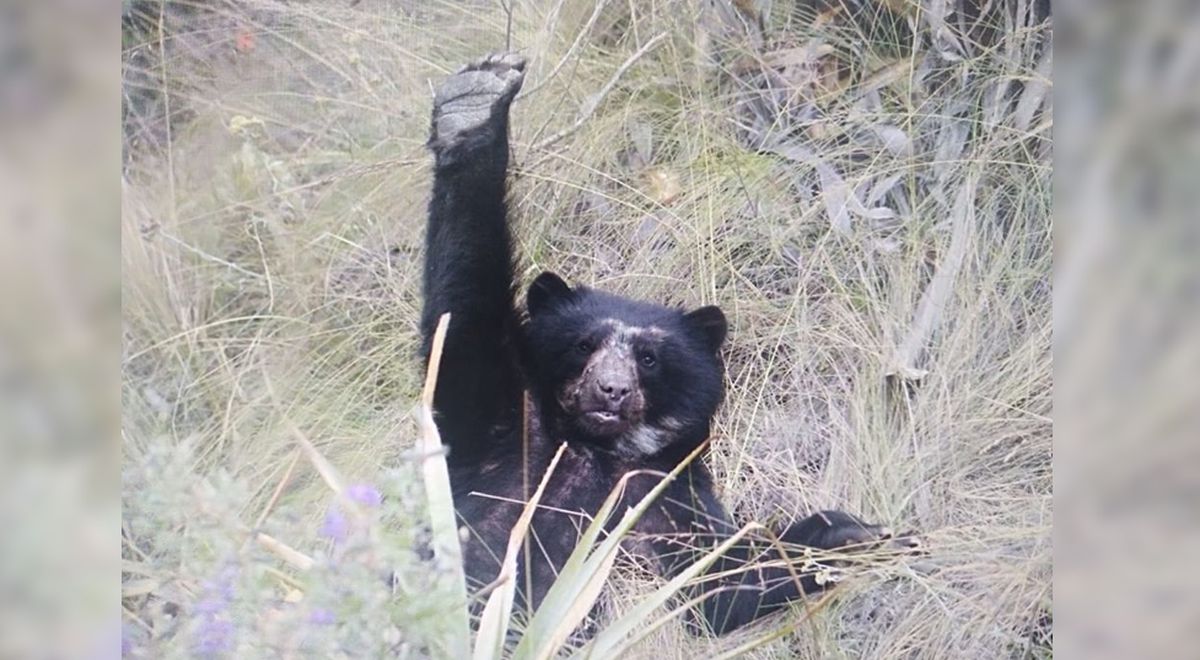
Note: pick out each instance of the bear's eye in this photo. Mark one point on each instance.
(648, 360)
(584, 346)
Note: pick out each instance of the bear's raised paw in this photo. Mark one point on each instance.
(476, 95)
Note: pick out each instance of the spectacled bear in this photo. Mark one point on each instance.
(627, 385)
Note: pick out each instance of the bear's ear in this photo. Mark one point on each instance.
(710, 321)
(547, 292)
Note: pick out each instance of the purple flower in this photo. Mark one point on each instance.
(364, 494)
(322, 617)
(213, 632)
(210, 606)
(214, 635)
(222, 586)
(335, 526)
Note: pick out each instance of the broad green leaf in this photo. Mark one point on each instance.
(612, 640)
(582, 578)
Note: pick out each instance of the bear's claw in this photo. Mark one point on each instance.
(846, 531)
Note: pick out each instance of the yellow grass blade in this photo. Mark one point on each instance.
(322, 465)
(493, 624)
(285, 552)
(442, 521)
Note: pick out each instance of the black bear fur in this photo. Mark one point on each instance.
(628, 385)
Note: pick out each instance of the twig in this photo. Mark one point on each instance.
(587, 27)
(507, 5)
(1035, 91)
(287, 476)
(166, 93)
(324, 468)
(594, 102)
(213, 258)
(285, 579)
(934, 298)
(528, 547)
(285, 552)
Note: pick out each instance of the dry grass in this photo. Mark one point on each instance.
(274, 231)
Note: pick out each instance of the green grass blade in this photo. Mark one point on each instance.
(612, 641)
(582, 578)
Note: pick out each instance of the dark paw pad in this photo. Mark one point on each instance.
(474, 96)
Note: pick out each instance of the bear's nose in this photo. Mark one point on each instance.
(614, 390)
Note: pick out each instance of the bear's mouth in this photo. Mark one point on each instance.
(603, 422)
(603, 416)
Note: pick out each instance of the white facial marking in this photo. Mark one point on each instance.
(646, 440)
(631, 331)
(620, 340)
(670, 424)
(621, 337)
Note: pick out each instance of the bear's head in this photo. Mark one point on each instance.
(624, 374)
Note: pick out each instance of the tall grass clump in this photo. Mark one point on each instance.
(863, 186)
